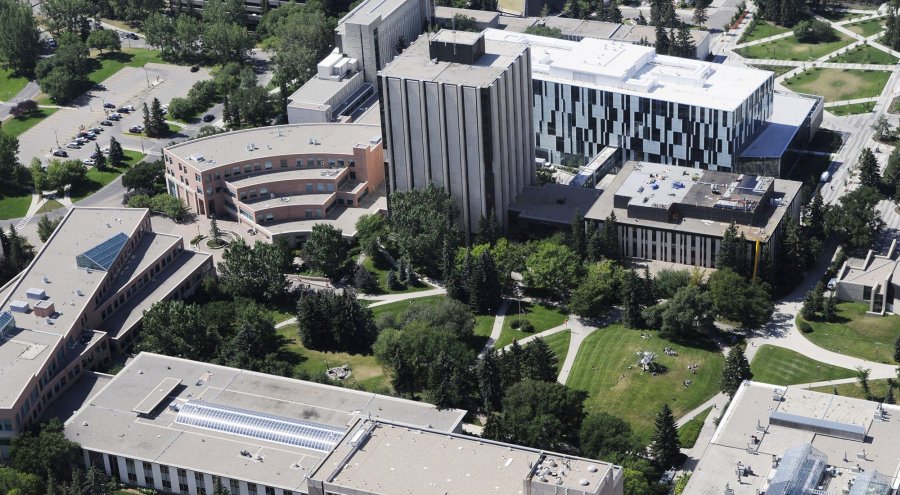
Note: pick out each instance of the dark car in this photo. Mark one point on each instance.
(60, 152)
(106, 122)
(136, 129)
(109, 105)
(195, 68)
(209, 117)
(114, 116)
(123, 110)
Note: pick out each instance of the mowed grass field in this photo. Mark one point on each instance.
(877, 387)
(852, 109)
(791, 49)
(780, 366)
(867, 28)
(865, 54)
(559, 344)
(858, 334)
(840, 84)
(602, 370)
(762, 30)
(542, 316)
(365, 369)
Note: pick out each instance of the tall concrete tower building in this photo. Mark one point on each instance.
(457, 112)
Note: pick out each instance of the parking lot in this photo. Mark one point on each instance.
(129, 86)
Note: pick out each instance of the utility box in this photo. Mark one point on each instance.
(44, 309)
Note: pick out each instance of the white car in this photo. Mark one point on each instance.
(832, 284)
(104, 150)
(130, 108)
(88, 161)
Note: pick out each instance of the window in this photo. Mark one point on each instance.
(197, 177)
(182, 481)
(331, 187)
(166, 481)
(235, 486)
(330, 163)
(268, 165)
(321, 163)
(320, 187)
(270, 490)
(352, 163)
(129, 467)
(248, 168)
(299, 163)
(310, 163)
(867, 293)
(7, 425)
(148, 474)
(309, 187)
(235, 170)
(263, 191)
(251, 488)
(283, 163)
(218, 176)
(201, 484)
(340, 163)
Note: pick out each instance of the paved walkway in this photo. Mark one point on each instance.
(764, 40)
(497, 329)
(851, 102)
(580, 331)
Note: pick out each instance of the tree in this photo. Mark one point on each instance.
(64, 75)
(45, 451)
(663, 46)
(38, 175)
(579, 239)
(104, 39)
(634, 300)
(600, 288)
(700, 16)
(862, 376)
(883, 129)
(604, 436)
(489, 384)
(72, 16)
(484, 285)
(897, 349)
(168, 206)
(855, 221)
(868, 169)
(20, 44)
(792, 12)
(738, 299)
(891, 176)
(257, 272)
(62, 175)
(684, 43)
(100, 159)
(325, 250)
(147, 177)
(688, 312)
(421, 220)
(46, 226)
(11, 171)
(669, 280)
(370, 230)
(737, 370)
(446, 315)
(730, 251)
(489, 230)
(539, 362)
(157, 122)
(816, 214)
(665, 447)
(537, 414)
(829, 309)
(335, 322)
(552, 268)
(813, 31)
(176, 328)
(613, 12)
(304, 35)
(14, 482)
(609, 238)
(224, 36)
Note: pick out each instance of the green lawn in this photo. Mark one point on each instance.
(689, 431)
(867, 28)
(602, 369)
(791, 49)
(10, 85)
(108, 64)
(543, 317)
(97, 179)
(877, 387)
(49, 206)
(559, 344)
(852, 109)
(396, 308)
(839, 15)
(840, 84)
(14, 206)
(857, 334)
(365, 369)
(865, 54)
(895, 105)
(379, 266)
(780, 366)
(18, 125)
(173, 129)
(777, 69)
(762, 30)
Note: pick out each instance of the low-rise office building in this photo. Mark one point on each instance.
(79, 302)
(790, 441)
(679, 214)
(873, 280)
(181, 426)
(282, 180)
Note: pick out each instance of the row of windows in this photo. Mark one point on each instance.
(257, 167)
(234, 486)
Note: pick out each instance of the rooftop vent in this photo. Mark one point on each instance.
(35, 293)
(583, 482)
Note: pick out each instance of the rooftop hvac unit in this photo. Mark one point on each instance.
(35, 293)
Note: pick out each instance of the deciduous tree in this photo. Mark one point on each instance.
(257, 272)
(326, 250)
(539, 414)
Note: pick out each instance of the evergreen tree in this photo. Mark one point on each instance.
(829, 309)
(613, 12)
(540, 362)
(116, 154)
(662, 40)
(511, 365)
(594, 246)
(862, 376)
(727, 256)
(148, 123)
(489, 230)
(889, 396)
(667, 13)
(579, 240)
(610, 237)
(490, 292)
(654, 13)
(868, 169)
(897, 350)
(737, 369)
(665, 446)
(685, 42)
(226, 111)
(47, 226)
(489, 383)
(808, 310)
(214, 233)
(792, 12)
(632, 300)
(391, 281)
(157, 119)
(815, 216)
(700, 16)
(452, 281)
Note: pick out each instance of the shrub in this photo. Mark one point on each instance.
(526, 326)
(515, 323)
(23, 108)
(812, 31)
(804, 326)
(182, 108)
(139, 201)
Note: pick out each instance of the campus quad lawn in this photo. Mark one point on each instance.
(10, 85)
(689, 431)
(791, 49)
(867, 28)
(559, 344)
(380, 267)
(852, 109)
(877, 387)
(638, 396)
(367, 372)
(543, 317)
(18, 125)
(14, 206)
(49, 206)
(857, 334)
(96, 179)
(762, 30)
(781, 366)
(865, 54)
(107, 64)
(840, 84)
(395, 308)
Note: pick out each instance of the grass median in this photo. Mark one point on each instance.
(840, 84)
(780, 366)
(791, 49)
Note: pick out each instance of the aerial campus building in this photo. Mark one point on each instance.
(794, 441)
(456, 112)
(873, 280)
(680, 214)
(281, 180)
(80, 301)
(180, 426)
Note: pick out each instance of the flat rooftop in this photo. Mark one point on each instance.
(415, 62)
(480, 16)
(371, 9)
(554, 203)
(636, 70)
(748, 416)
(261, 178)
(340, 217)
(107, 423)
(696, 191)
(316, 91)
(34, 341)
(788, 113)
(262, 142)
(394, 459)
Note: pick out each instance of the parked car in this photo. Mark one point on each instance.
(137, 129)
(130, 108)
(209, 117)
(109, 105)
(106, 122)
(132, 36)
(73, 145)
(832, 284)
(94, 155)
(114, 116)
(88, 161)
(96, 129)
(195, 68)
(82, 134)
(104, 150)
(60, 152)
(81, 141)
(825, 177)
(123, 110)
